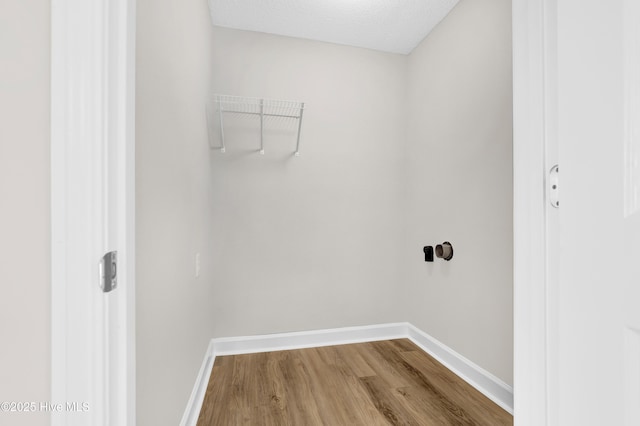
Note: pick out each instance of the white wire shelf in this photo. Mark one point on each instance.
(263, 108)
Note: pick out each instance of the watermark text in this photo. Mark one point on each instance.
(39, 407)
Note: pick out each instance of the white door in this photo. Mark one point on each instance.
(598, 316)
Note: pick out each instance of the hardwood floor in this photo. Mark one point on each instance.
(378, 383)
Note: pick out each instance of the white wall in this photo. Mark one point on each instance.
(459, 175)
(174, 317)
(307, 242)
(25, 353)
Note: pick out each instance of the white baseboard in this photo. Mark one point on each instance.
(488, 384)
(191, 413)
(308, 339)
(492, 387)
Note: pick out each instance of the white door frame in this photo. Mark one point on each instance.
(92, 188)
(92, 68)
(533, 26)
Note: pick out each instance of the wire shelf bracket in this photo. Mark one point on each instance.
(264, 108)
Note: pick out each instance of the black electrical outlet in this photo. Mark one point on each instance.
(428, 253)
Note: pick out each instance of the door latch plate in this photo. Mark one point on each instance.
(109, 271)
(554, 196)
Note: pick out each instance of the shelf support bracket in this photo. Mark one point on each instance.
(222, 149)
(262, 126)
(299, 129)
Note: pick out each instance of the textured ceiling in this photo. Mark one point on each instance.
(388, 25)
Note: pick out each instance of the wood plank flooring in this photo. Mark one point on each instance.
(379, 383)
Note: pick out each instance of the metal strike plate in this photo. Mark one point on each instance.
(109, 271)
(554, 194)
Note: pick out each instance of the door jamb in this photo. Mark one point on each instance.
(531, 339)
(92, 135)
